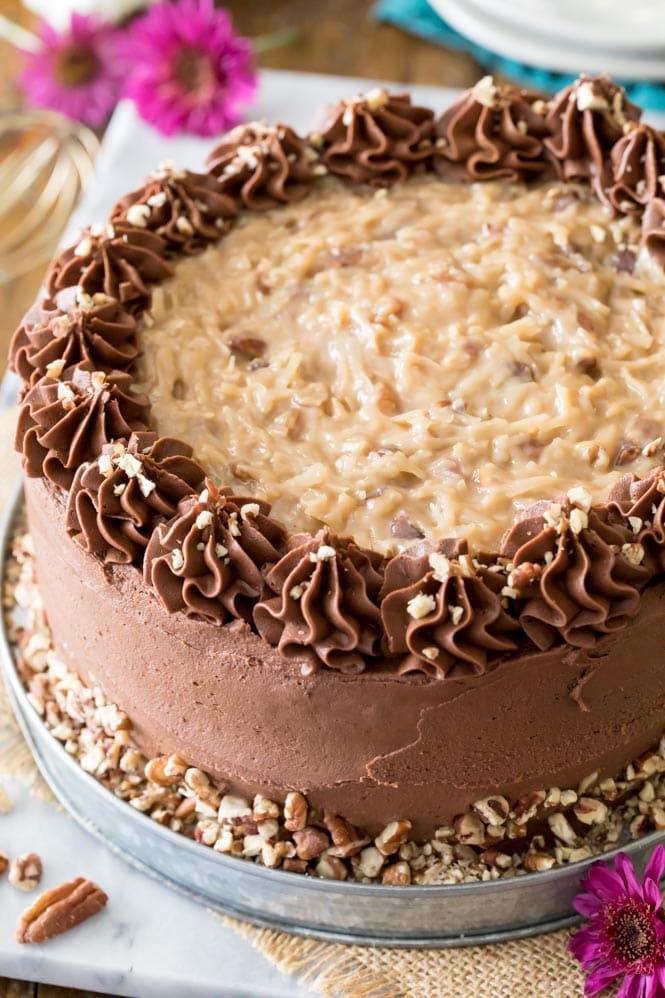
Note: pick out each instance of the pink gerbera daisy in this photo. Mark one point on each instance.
(79, 72)
(625, 933)
(190, 71)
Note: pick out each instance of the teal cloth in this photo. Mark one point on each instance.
(420, 19)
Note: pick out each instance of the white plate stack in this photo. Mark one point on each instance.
(625, 38)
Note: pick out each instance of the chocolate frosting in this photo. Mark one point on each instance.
(377, 138)
(97, 331)
(643, 500)
(206, 560)
(324, 612)
(188, 210)
(493, 131)
(653, 230)
(462, 626)
(586, 119)
(588, 581)
(372, 747)
(261, 166)
(66, 421)
(122, 261)
(115, 499)
(638, 163)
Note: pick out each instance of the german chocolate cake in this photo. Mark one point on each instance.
(345, 480)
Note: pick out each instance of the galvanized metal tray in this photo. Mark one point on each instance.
(415, 916)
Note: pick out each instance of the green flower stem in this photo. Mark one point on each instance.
(274, 40)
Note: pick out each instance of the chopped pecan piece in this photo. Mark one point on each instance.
(524, 575)
(398, 874)
(310, 843)
(627, 451)
(524, 372)
(403, 529)
(331, 868)
(295, 812)
(470, 829)
(25, 871)
(538, 862)
(249, 347)
(295, 865)
(624, 261)
(60, 909)
(492, 810)
(392, 837)
(263, 808)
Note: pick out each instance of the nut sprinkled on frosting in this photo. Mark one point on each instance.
(581, 497)
(84, 247)
(249, 509)
(295, 592)
(324, 553)
(204, 519)
(486, 92)
(588, 100)
(634, 553)
(578, 520)
(55, 369)
(421, 605)
(138, 214)
(455, 613)
(440, 566)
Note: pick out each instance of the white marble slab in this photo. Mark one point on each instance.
(148, 942)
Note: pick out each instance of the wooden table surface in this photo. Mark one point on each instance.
(333, 36)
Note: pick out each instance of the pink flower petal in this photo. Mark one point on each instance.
(91, 99)
(656, 865)
(604, 882)
(626, 871)
(625, 932)
(587, 904)
(599, 979)
(203, 36)
(638, 986)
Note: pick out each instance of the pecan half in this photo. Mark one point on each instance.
(60, 909)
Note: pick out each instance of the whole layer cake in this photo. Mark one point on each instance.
(345, 460)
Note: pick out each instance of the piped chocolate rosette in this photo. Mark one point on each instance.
(569, 571)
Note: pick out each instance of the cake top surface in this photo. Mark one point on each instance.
(426, 360)
(425, 405)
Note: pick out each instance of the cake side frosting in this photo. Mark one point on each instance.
(373, 747)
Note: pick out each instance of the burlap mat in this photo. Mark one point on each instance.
(534, 968)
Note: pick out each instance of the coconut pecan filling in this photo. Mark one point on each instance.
(424, 360)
